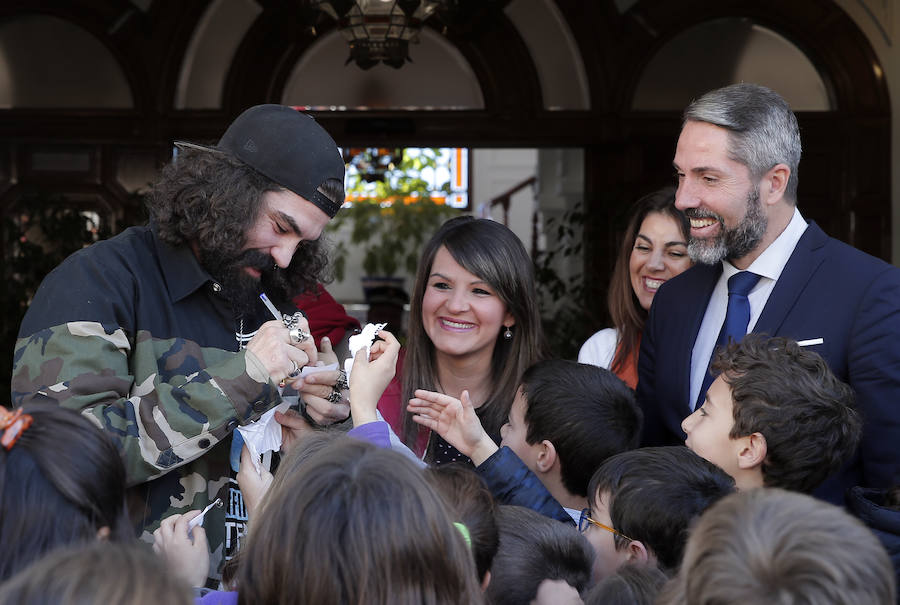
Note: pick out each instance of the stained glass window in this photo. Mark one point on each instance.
(387, 174)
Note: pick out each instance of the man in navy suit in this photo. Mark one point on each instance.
(736, 161)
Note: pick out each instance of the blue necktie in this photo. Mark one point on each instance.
(737, 317)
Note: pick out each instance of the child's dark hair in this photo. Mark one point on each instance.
(586, 412)
(60, 483)
(655, 493)
(790, 395)
(291, 462)
(534, 548)
(630, 585)
(466, 493)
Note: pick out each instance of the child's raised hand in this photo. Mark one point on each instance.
(253, 485)
(454, 420)
(388, 347)
(370, 377)
(187, 557)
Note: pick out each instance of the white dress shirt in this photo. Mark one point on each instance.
(769, 266)
(600, 348)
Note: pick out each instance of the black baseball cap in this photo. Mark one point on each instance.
(287, 146)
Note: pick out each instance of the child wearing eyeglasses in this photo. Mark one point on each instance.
(642, 504)
(776, 416)
(565, 420)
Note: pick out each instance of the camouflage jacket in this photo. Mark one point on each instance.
(134, 334)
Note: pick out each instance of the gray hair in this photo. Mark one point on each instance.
(763, 130)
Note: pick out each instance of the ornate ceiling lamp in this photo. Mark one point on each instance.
(379, 31)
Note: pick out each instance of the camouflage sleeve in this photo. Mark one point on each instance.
(165, 401)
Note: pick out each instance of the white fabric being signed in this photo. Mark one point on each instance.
(357, 342)
(264, 435)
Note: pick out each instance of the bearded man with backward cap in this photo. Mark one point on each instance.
(159, 335)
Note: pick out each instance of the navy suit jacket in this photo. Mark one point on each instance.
(827, 290)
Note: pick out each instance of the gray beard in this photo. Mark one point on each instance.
(729, 243)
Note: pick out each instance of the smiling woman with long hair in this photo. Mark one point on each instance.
(653, 250)
(474, 325)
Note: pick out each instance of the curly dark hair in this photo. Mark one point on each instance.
(790, 395)
(211, 200)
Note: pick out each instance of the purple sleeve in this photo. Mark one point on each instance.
(217, 597)
(377, 433)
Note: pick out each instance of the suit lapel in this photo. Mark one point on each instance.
(698, 290)
(804, 260)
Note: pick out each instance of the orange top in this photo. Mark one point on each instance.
(629, 371)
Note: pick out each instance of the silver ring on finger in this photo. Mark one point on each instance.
(335, 396)
(297, 335)
(342, 382)
(291, 321)
(295, 371)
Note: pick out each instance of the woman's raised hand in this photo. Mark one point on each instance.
(454, 420)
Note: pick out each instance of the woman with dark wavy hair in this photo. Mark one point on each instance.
(474, 325)
(653, 250)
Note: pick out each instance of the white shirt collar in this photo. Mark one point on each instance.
(575, 514)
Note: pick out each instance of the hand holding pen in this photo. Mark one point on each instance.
(324, 393)
(281, 349)
(181, 541)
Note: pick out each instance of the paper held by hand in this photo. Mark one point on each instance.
(264, 435)
(199, 518)
(307, 370)
(359, 341)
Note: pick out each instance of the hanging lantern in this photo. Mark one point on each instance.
(379, 31)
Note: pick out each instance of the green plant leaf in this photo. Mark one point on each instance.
(389, 230)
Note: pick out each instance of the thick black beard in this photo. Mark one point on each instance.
(240, 288)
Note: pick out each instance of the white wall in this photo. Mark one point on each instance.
(496, 171)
